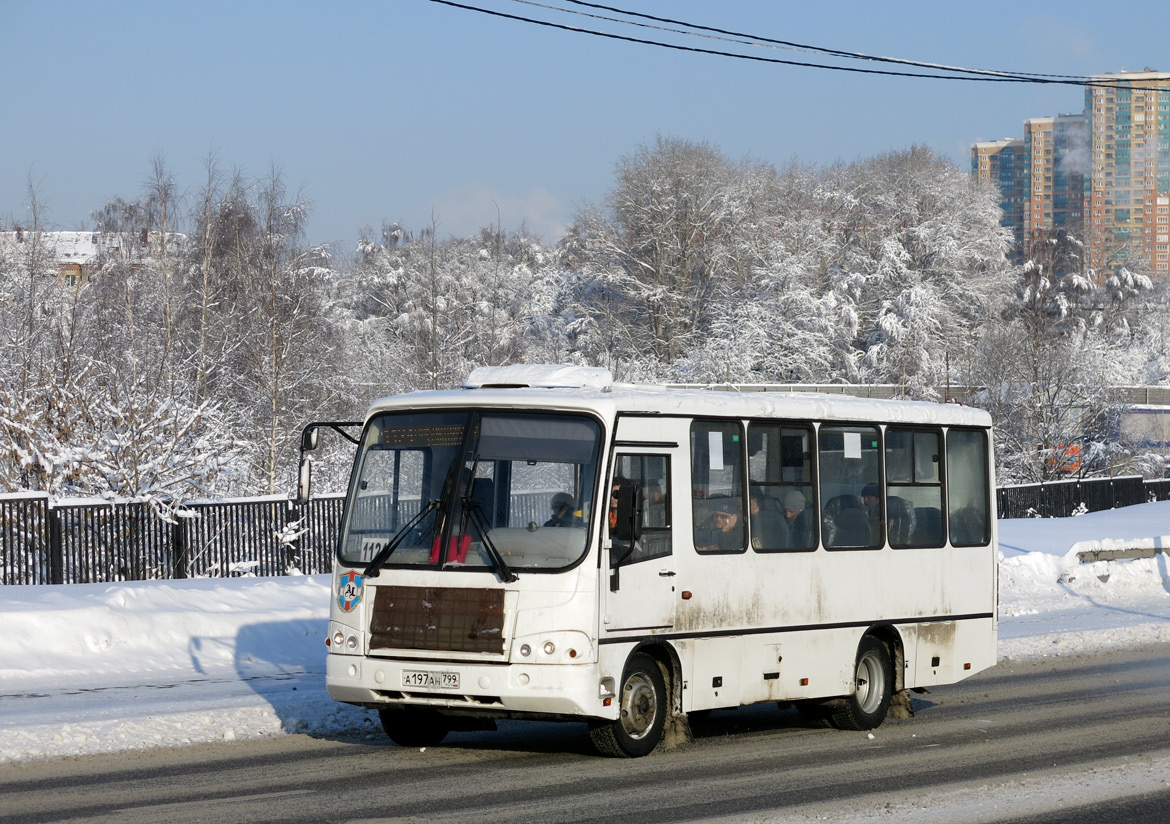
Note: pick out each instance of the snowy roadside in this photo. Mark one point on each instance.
(107, 667)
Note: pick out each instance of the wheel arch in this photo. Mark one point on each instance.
(677, 729)
(671, 665)
(889, 635)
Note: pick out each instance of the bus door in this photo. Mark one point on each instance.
(639, 585)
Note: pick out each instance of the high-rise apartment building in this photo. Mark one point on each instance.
(1103, 175)
(1128, 196)
(1038, 163)
(1000, 163)
(1070, 167)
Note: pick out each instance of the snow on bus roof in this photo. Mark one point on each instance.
(565, 387)
(539, 375)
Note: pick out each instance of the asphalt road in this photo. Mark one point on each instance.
(1065, 740)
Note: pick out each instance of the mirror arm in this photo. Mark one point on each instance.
(309, 443)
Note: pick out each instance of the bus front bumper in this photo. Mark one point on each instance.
(569, 690)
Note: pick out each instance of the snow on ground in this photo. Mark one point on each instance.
(106, 667)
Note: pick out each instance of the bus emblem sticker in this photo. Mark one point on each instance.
(349, 591)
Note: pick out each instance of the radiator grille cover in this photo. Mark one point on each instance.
(438, 618)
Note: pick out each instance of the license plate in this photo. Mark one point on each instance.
(432, 680)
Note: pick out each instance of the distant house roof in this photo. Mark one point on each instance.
(84, 248)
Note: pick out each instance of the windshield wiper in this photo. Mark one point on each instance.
(481, 524)
(384, 554)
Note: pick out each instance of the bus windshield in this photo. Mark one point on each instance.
(460, 489)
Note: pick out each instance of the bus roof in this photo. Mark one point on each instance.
(567, 388)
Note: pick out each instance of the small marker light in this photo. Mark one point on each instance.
(525, 650)
(338, 639)
(549, 647)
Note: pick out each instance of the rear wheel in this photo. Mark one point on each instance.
(642, 705)
(414, 727)
(873, 686)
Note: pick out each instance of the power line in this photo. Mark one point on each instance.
(757, 40)
(975, 75)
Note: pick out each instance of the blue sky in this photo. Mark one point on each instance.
(404, 110)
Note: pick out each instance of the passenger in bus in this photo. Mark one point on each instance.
(768, 525)
(564, 511)
(724, 532)
(796, 520)
(871, 500)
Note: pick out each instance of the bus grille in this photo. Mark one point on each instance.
(438, 618)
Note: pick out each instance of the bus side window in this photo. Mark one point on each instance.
(967, 483)
(781, 506)
(851, 514)
(914, 487)
(717, 475)
(651, 473)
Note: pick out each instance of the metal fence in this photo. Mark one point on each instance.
(1060, 499)
(74, 542)
(82, 542)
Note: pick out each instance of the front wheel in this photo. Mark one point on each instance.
(873, 687)
(642, 711)
(414, 727)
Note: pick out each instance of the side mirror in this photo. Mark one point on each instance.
(304, 479)
(309, 438)
(629, 514)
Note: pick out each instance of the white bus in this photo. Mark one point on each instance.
(545, 543)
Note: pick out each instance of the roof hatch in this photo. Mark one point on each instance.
(538, 376)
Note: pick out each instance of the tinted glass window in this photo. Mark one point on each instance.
(781, 504)
(913, 488)
(850, 466)
(652, 475)
(717, 465)
(967, 488)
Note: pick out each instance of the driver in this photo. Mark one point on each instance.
(564, 512)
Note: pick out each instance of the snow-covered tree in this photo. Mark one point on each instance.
(1049, 369)
(449, 305)
(658, 249)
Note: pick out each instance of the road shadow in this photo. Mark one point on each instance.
(283, 662)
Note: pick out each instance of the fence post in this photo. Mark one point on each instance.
(56, 548)
(293, 514)
(179, 545)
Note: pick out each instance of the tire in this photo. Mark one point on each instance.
(873, 687)
(642, 710)
(414, 727)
